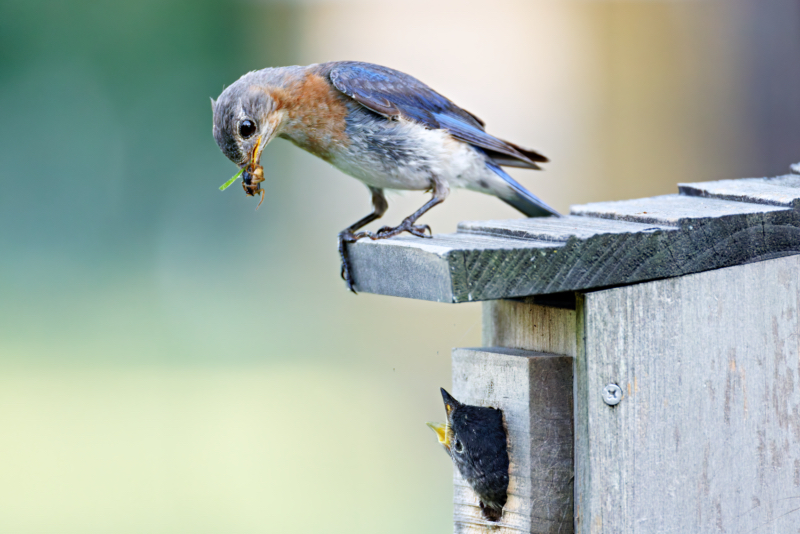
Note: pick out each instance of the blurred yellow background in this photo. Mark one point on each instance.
(172, 361)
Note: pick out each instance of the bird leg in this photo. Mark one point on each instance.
(349, 235)
(440, 192)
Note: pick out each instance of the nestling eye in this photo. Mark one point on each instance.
(247, 128)
(458, 447)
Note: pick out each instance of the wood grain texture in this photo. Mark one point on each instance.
(670, 210)
(534, 390)
(778, 191)
(412, 267)
(707, 436)
(520, 325)
(606, 244)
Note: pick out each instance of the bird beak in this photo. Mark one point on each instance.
(449, 402)
(273, 128)
(443, 430)
(442, 433)
(255, 157)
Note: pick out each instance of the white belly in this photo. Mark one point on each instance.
(406, 155)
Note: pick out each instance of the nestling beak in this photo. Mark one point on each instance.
(450, 403)
(442, 432)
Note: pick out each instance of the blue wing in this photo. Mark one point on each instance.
(394, 94)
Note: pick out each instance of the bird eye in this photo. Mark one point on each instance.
(458, 447)
(247, 128)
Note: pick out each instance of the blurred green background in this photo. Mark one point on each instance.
(173, 361)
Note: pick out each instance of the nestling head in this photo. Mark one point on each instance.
(476, 440)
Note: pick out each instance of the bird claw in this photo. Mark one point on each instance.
(347, 276)
(348, 236)
(405, 226)
(346, 272)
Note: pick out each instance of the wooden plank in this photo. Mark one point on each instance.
(707, 436)
(558, 229)
(609, 244)
(522, 325)
(534, 390)
(425, 269)
(671, 210)
(778, 191)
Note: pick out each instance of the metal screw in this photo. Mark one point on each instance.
(612, 394)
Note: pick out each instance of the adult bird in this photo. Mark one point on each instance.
(381, 126)
(475, 439)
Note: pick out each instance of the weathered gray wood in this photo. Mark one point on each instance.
(778, 191)
(605, 244)
(672, 210)
(707, 436)
(555, 229)
(407, 266)
(534, 390)
(521, 325)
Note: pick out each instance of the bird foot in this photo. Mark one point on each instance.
(405, 226)
(348, 236)
(347, 273)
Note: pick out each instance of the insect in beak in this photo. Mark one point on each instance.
(253, 174)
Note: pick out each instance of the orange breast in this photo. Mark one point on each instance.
(315, 115)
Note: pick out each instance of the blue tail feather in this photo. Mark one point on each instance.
(521, 198)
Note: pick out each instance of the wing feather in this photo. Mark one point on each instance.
(394, 94)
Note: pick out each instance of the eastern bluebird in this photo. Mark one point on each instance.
(381, 126)
(475, 438)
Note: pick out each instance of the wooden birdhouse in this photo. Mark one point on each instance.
(645, 354)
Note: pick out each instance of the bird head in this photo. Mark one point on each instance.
(475, 438)
(246, 119)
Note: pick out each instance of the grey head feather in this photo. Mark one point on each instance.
(247, 98)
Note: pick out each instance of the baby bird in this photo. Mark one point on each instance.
(381, 126)
(475, 438)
